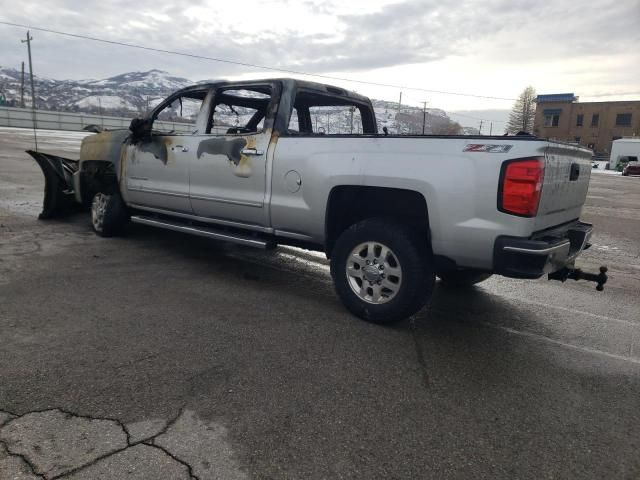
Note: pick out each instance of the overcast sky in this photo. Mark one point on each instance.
(489, 47)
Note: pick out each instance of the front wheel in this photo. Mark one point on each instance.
(382, 270)
(108, 214)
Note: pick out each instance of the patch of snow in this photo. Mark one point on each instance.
(104, 101)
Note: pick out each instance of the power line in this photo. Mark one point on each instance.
(246, 64)
(451, 114)
(475, 118)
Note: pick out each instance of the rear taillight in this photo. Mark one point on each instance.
(521, 186)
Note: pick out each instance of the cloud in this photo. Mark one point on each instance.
(350, 38)
(410, 31)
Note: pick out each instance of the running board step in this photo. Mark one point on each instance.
(202, 232)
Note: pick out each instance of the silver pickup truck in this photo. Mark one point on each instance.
(391, 212)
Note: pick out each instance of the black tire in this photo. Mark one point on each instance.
(462, 278)
(109, 214)
(413, 257)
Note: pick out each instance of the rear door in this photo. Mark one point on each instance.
(229, 165)
(566, 181)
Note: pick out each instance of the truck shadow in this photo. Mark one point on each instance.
(306, 274)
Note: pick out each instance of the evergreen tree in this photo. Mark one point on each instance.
(523, 112)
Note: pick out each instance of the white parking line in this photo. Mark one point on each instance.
(570, 310)
(542, 338)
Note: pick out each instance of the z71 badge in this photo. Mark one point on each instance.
(483, 147)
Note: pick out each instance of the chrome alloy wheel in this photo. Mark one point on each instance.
(373, 272)
(98, 210)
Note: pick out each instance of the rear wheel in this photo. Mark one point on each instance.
(108, 214)
(382, 270)
(462, 278)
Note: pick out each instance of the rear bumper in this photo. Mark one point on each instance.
(544, 252)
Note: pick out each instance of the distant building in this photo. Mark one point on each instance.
(591, 124)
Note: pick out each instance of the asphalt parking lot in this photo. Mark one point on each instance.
(157, 355)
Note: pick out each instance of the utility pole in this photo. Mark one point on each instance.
(327, 122)
(480, 131)
(398, 114)
(100, 110)
(490, 128)
(22, 87)
(424, 115)
(33, 90)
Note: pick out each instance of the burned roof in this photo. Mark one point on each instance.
(287, 82)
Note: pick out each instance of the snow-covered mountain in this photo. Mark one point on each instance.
(127, 94)
(152, 80)
(134, 93)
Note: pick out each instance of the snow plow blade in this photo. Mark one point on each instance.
(59, 197)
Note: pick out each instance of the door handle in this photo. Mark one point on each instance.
(180, 148)
(251, 151)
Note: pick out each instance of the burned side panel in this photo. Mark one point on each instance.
(105, 146)
(156, 147)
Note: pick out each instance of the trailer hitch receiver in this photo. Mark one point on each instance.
(577, 274)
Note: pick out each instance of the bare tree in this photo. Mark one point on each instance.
(523, 112)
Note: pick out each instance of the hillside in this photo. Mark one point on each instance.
(134, 93)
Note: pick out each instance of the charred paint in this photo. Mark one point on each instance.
(97, 147)
(156, 147)
(123, 164)
(232, 149)
(106, 146)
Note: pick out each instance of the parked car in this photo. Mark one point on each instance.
(624, 160)
(391, 212)
(631, 168)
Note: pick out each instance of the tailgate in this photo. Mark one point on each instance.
(566, 181)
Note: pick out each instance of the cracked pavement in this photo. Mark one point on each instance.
(158, 355)
(54, 444)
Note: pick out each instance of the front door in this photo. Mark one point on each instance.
(157, 166)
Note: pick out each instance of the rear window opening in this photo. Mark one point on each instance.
(325, 114)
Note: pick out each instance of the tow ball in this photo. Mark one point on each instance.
(577, 274)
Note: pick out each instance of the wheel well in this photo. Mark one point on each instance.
(97, 176)
(350, 204)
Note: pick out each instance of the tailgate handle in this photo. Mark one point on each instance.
(575, 172)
